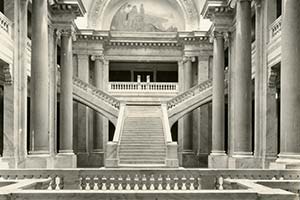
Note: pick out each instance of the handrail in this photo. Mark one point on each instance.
(166, 125)
(189, 93)
(120, 123)
(97, 93)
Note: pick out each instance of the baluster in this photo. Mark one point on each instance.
(57, 183)
(136, 182)
(52, 183)
(221, 181)
(128, 180)
(168, 180)
(88, 181)
(112, 183)
(183, 179)
(104, 179)
(274, 178)
(120, 180)
(176, 182)
(192, 180)
(281, 178)
(144, 182)
(96, 183)
(160, 180)
(199, 183)
(152, 180)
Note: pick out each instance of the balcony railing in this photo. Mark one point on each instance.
(142, 87)
(275, 28)
(5, 23)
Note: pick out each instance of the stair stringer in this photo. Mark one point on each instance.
(189, 105)
(96, 99)
(172, 147)
(112, 151)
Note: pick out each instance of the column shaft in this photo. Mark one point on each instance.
(187, 120)
(83, 111)
(218, 104)
(66, 96)
(242, 80)
(98, 137)
(39, 77)
(290, 77)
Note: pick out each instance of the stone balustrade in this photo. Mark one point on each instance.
(142, 86)
(97, 93)
(189, 93)
(275, 28)
(5, 23)
(145, 179)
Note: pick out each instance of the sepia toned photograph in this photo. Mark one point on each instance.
(150, 99)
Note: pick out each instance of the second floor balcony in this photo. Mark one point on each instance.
(152, 91)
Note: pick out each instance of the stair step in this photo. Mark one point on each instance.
(142, 162)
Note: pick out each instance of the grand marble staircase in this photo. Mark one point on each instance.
(142, 140)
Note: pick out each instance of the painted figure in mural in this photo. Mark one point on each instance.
(134, 18)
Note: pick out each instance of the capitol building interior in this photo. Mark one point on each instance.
(150, 99)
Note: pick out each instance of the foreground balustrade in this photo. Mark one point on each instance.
(140, 180)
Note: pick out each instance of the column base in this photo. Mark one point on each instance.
(244, 160)
(93, 159)
(65, 160)
(7, 162)
(189, 159)
(203, 160)
(286, 161)
(172, 155)
(38, 161)
(111, 159)
(218, 159)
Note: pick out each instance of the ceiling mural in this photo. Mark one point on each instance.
(138, 17)
(143, 15)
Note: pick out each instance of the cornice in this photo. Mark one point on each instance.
(63, 7)
(167, 41)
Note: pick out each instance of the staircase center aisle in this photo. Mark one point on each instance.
(142, 142)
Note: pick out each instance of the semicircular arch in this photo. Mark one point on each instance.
(102, 12)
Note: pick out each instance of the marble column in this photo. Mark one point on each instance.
(98, 133)
(241, 76)
(83, 111)
(39, 78)
(204, 116)
(290, 77)
(218, 99)
(66, 93)
(188, 83)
